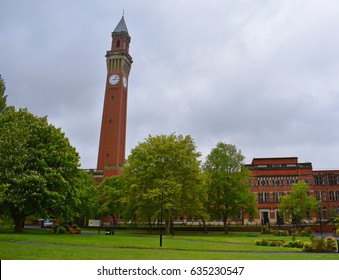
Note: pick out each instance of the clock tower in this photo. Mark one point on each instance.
(111, 155)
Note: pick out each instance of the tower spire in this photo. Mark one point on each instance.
(121, 27)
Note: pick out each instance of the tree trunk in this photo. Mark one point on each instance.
(172, 228)
(114, 224)
(150, 225)
(205, 227)
(167, 227)
(224, 220)
(19, 222)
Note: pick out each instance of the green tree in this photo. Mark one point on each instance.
(228, 184)
(112, 197)
(165, 171)
(89, 199)
(297, 203)
(38, 167)
(3, 97)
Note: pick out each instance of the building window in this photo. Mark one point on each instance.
(118, 43)
(331, 195)
(317, 195)
(260, 197)
(277, 182)
(276, 197)
(281, 194)
(323, 196)
(291, 181)
(263, 197)
(319, 180)
(333, 180)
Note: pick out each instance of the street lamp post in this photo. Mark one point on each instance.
(321, 225)
(161, 210)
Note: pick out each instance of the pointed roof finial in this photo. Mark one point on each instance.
(123, 13)
(121, 27)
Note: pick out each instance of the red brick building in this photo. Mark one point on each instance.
(273, 178)
(111, 155)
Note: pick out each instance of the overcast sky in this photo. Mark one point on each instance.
(262, 75)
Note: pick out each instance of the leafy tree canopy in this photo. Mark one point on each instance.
(112, 197)
(39, 169)
(165, 169)
(89, 199)
(297, 203)
(228, 183)
(3, 97)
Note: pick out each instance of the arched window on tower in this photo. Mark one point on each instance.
(118, 43)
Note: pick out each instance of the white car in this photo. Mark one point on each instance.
(48, 223)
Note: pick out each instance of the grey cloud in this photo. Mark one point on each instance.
(262, 76)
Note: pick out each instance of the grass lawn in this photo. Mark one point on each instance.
(42, 244)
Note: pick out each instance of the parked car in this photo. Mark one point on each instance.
(48, 223)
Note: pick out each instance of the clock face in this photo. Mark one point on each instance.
(114, 79)
(124, 82)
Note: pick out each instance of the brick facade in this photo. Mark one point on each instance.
(111, 155)
(274, 177)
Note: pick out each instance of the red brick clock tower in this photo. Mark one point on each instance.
(112, 144)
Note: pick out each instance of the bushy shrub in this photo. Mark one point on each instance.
(299, 244)
(306, 232)
(294, 244)
(265, 230)
(275, 243)
(55, 228)
(294, 232)
(284, 232)
(262, 242)
(265, 242)
(74, 229)
(308, 247)
(66, 226)
(272, 243)
(312, 236)
(319, 244)
(291, 244)
(331, 244)
(280, 232)
(62, 230)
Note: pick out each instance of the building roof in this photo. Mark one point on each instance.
(121, 27)
(277, 160)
